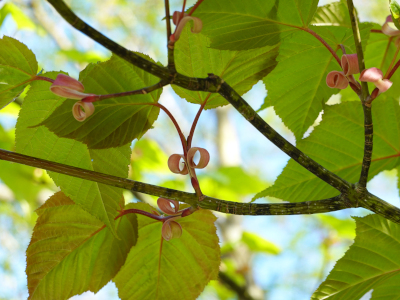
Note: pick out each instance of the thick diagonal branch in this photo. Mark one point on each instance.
(250, 115)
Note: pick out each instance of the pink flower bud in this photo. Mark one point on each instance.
(350, 64)
(171, 230)
(204, 157)
(82, 110)
(336, 79)
(165, 206)
(173, 164)
(197, 26)
(375, 76)
(68, 87)
(386, 29)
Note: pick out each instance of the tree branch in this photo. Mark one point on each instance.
(238, 208)
(368, 125)
(250, 115)
(197, 84)
(241, 291)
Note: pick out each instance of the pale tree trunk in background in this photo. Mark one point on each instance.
(231, 225)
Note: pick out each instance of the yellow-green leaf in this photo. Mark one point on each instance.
(72, 252)
(175, 269)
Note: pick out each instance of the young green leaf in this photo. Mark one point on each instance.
(240, 25)
(116, 121)
(175, 269)
(241, 69)
(371, 263)
(257, 244)
(100, 200)
(395, 11)
(297, 86)
(332, 14)
(18, 66)
(338, 144)
(72, 252)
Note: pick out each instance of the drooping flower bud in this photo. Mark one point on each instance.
(350, 64)
(82, 110)
(68, 87)
(173, 164)
(386, 29)
(204, 157)
(165, 205)
(171, 230)
(375, 76)
(336, 79)
(197, 25)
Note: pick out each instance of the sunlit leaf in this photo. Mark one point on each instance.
(72, 252)
(258, 244)
(175, 269)
(344, 227)
(100, 200)
(332, 14)
(20, 18)
(239, 25)
(338, 144)
(17, 68)
(240, 69)
(116, 121)
(297, 86)
(371, 263)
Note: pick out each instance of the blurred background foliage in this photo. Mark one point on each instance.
(262, 257)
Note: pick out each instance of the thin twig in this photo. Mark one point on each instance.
(196, 119)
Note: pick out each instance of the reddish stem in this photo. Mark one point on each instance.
(376, 30)
(43, 78)
(324, 43)
(393, 70)
(196, 119)
(195, 7)
(144, 213)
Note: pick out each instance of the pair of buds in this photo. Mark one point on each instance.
(180, 22)
(337, 79)
(71, 88)
(170, 229)
(174, 160)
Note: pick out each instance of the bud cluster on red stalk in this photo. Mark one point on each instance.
(180, 22)
(170, 229)
(71, 88)
(339, 80)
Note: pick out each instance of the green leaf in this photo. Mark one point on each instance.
(332, 14)
(175, 269)
(116, 121)
(395, 11)
(230, 183)
(100, 200)
(240, 69)
(338, 144)
(20, 18)
(371, 263)
(240, 25)
(297, 86)
(258, 244)
(18, 66)
(344, 227)
(72, 252)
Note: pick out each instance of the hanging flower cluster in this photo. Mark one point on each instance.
(387, 29)
(339, 79)
(180, 22)
(71, 88)
(170, 229)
